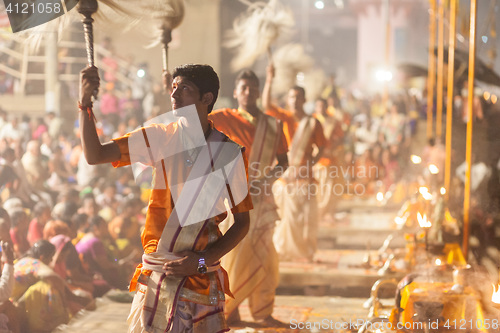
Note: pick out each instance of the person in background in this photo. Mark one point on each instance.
(295, 237)
(41, 215)
(98, 260)
(42, 295)
(253, 264)
(9, 318)
(19, 231)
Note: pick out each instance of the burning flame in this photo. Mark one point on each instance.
(425, 193)
(442, 191)
(380, 196)
(433, 169)
(438, 262)
(400, 220)
(416, 159)
(422, 221)
(495, 298)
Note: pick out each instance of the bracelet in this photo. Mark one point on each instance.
(88, 109)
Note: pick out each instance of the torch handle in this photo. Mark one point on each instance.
(165, 57)
(269, 55)
(166, 38)
(89, 38)
(88, 31)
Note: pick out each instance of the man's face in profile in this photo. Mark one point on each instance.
(184, 93)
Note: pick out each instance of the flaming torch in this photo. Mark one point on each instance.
(174, 13)
(425, 225)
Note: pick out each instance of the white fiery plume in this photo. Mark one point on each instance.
(254, 32)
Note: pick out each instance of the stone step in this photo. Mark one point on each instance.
(360, 228)
(361, 239)
(334, 269)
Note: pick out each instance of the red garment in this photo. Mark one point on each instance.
(35, 231)
(19, 241)
(109, 103)
(39, 131)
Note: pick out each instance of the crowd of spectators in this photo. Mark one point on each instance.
(74, 231)
(369, 142)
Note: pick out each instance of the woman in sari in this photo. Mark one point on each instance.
(99, 258)
(68, 266)
(42, 296)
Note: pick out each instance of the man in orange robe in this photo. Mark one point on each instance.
(253, 264)
(325, 170)
(296, 234)
(180, 285)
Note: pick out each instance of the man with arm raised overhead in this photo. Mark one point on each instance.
(253, 263)
(295, 235)
(180, 285)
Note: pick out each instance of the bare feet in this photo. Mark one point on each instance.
(272, 322)
(233, 318)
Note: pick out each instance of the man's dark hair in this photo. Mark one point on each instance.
(249, 75)
(322, 100)
(299, 89)
(203, 77)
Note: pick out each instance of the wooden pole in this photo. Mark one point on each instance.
(387, 19)
(440, 74)
(449, 97)
(52, 85)
(432, 70)
(470, 119)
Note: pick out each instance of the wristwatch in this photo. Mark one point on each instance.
(202, 266)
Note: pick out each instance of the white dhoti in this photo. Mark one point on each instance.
(252, 265)
(295, 236)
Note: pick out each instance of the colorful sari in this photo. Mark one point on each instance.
(39, 291)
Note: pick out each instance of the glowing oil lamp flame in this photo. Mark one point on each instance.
(442, 191)
(438, 262)
(425, 193)
(380, 196)
(415, 159)
(422, 221)
(495, 298)
(433, 169)
(399, 220)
